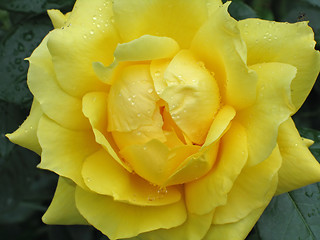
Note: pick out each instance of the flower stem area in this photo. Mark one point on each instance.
(26, 191)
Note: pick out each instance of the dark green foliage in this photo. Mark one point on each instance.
(26, 192)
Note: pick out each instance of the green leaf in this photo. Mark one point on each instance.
(294, 215)
(35, 6)
(10, 118)
(240, 10)
(313, 2)
(13, 68)
(315, 136)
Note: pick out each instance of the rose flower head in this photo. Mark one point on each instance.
(169, 119)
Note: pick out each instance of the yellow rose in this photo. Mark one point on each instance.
(169, 119)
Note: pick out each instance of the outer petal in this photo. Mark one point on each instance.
(62, 209)
(105, 176)
(120, 220)
(58, 19)
(89, 37)
(178, 19)
(272, 107)
(237, 230)
(63, 150)
(55, 103)
(205, 194)
(252, 190)
(219, 45)
(299, 167)
(195, 228)
(26, 134)
(286, 43)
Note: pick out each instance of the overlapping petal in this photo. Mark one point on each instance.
(89, 36)
(194, 228)
(247, 195)
(207, 193)
(64, 150)
(26, 134)
(179, 19)
(272, 107)
(103, 175)
(62, 209)
(60, 107)
(237, 83)
(120, 220)
(274, 42)
(299, 167)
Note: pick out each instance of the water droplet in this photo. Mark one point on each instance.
(129, 99)
(85, 36)
(157, 74)
(150, 90)
(139, 133)
(28, 36)
(20, 47)
(94, 18)
(134, 96)
(132, 103)
(139, 115)
(88, 179)
(98, 25)
(17, 61)
(162, 190)
(91, 32)
(151, 198)
(145, 148)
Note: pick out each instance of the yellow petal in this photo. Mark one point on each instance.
(154, 162)
(120, 220)
(132, 100)
(212, 6)
(220, 124)
(299, 167)
(252, 190)
(64, 150)
(89, 36)
(157, 69)
(105, 176)
(144, 48)
(205, 194)
(234, 231)
(143, 133)
(26, 134)
(177, 19)
(273, 106)
(268, 42)
(194, 228)
(219, 45)
(195, 166)
(192, 95)
(58, 19)
(55, 103)
(62, 209)
(94, 107)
